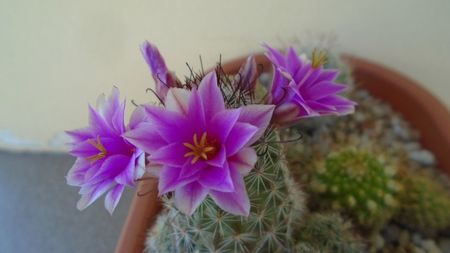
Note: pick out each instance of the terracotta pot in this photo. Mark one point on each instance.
(417, 105)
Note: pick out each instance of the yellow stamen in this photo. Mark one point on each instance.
(319, 58)
(98, 145)
(199, 149)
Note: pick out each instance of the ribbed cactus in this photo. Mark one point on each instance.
(327, 232)
(276, 204)
(356, 183)
(424, 204)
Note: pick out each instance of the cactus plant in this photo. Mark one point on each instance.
(424, 204)
(276, 205)
(358, 184)
(327, 232)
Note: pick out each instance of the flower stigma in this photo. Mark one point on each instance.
(98, 145)
(200, 149)
(319, 58)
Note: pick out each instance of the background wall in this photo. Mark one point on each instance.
(56, 56)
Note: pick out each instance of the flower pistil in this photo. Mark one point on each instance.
(319, 58)
(199, 149)
(98, 145)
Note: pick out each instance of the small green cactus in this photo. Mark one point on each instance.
(327, 232)
(276, 206)
(358, 184)
(424, 204)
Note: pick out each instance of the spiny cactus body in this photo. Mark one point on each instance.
(424, 204)
(356, 183)
(276, 204)
(327, 232)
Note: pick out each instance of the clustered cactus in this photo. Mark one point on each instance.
(425, 204)
(276, 205)
(327, 232)
(356, 183)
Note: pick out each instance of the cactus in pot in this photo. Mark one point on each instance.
(276, 206)
(356, 183)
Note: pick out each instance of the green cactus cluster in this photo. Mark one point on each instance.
(327, 232)
(276, 206)
(358, 184)
(424, 204)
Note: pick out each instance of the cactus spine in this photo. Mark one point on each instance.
(276, 204)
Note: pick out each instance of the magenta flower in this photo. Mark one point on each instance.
(202, 147)
(301, 88)
(106, 162)
(162, 76)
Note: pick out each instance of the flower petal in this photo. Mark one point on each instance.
(80, 134)
(145, 137)
(169, 179)
(138, 116)
(236, 202)
(328, 75)
(244, 160)
(287, 112)
(111, 168)
(239, 137)
(172, 126)
(247, 75)
(219, 159)
(217, 178)
(112, 110)
(323, 89)
(171, 155)
(293, 61)
(98, 123)
(258, 116)
(211, 95)
(127, 175)
(177, 100)
(196, 114)
(75, 176)
(92, 193)
(112, 197)
(274, 56)
(188, 170)
(158, 68)
(189, 197)
(222, 123)
(84, 149)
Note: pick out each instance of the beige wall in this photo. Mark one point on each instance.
(56, 56)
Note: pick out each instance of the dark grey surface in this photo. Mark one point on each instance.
(38, 210)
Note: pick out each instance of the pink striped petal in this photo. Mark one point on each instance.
(258, 116)
(217, 178)
(244, 160)
(112, 198)
(239, 137)
(189, 197)
(236, 202)
(211, 95)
